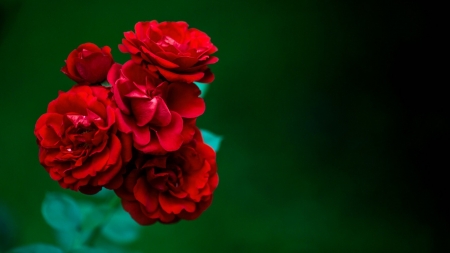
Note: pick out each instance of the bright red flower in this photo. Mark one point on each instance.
(88, 63)
(170, 187)
(173, 50)
(158, 116)
(77, 140)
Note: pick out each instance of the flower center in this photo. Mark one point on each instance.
(162, 179)
(167, 41)
(79, 138)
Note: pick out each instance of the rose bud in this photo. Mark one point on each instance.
(88, 63)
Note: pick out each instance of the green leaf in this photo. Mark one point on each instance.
(104, 193)
(211, 139)
(89, 250)
(121, 228)
(106, 244)
(37, 248)
(92, 214)
(7, 228)
(106, 84)
(61, 212)
(67, 239)
(203, 88)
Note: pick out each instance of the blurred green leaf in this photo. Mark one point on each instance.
(106, 244)
(67, 239)
(89, 250)
(104, 193)
(7, 228)
(106, 84)
(211, 139)
(61, 212)
(92, 214)
(37, 248)
(121, 228)
(203, 88)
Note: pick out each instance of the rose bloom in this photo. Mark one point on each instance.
(77, 140)
(158, 116)
(170, 187)
(88, 63)
(173, 50)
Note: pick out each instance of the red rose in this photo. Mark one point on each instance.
(77, 140)
(88, 63)
(173, 50)
(174, 186)
(159, 116)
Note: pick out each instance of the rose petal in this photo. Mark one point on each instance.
(147, 197)
(212, 60)
(184, 99)
(170, 136)
(159, 60)
(133, 208)
(89, 189)
(199, 209)
(114, 73)
(175, 205)
(136, 73)
(176, 77)
(153, 147)
(153, 111)
(127, 146)
(92, 166)
(208, 77)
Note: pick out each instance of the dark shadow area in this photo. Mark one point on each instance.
(400, 65)
(416, 76)
(8, 13)
(8, 229)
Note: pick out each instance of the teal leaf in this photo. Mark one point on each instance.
(37, 248)
(89, 250)
(92, 214)
(61, 212)
(7, 228)
(121, 228)
(106, 84)
(211, 139)
(67, 239)
(104, 193)
(203, 88)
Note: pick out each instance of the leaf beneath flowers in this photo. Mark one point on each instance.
(104, 193)
(89, 250)
(106, 84)
(211, 139)
(67, 239)
(121, 228)
(7, 228)
(37, 248)
(61, 212)
(203, 88)
(92, 215)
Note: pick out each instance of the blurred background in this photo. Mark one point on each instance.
(332, 114)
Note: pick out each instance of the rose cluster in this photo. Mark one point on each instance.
(132, 127)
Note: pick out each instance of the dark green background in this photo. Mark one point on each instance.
(329, 143)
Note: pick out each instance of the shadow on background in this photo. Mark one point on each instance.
(8, 13)
(8, 230)
(332, 114)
